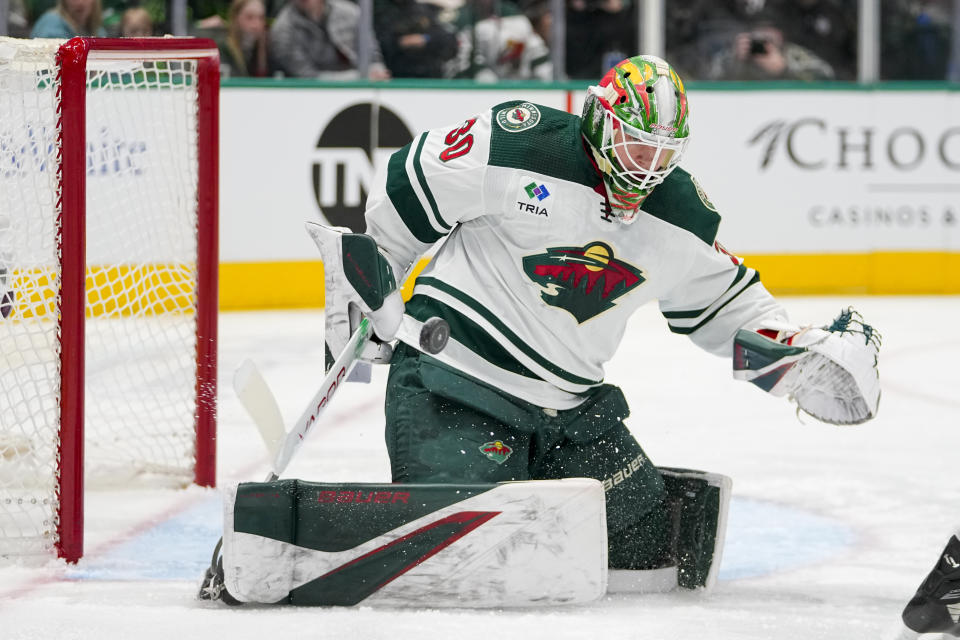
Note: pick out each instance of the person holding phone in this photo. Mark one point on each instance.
(762, 53)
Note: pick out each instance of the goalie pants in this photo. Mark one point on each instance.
(445, 427)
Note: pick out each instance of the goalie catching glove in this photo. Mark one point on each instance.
(830, 372)
(359, 279)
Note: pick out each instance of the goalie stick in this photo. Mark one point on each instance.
(261, 404)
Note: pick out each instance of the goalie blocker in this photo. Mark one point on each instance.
(511, 544)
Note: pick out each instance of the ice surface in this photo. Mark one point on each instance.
(831, 528)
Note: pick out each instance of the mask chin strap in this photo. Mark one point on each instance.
(625, 204)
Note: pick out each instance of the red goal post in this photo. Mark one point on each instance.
(108, 272)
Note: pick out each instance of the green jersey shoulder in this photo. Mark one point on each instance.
(532, 137)
(681, 201)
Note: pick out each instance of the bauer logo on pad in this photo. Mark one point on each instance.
(496, 451)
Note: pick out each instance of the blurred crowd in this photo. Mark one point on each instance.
(492, 40)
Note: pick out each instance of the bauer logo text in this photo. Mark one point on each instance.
(623, 474)
(363, 497)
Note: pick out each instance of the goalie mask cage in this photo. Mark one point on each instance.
(108, 290)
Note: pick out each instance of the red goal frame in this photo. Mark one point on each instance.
(72, 59)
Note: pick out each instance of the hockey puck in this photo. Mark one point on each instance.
(434, 335)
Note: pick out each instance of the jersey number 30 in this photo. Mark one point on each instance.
(458, 142)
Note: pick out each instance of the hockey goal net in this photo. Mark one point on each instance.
(108, 291)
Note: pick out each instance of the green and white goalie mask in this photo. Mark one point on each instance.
(636, 123)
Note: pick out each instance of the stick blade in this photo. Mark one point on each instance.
(260, 404)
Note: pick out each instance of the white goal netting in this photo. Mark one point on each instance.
(141, 255)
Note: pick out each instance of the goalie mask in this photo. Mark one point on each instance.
(636, 125)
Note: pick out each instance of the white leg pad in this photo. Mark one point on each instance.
(642, 581)
(537, 543)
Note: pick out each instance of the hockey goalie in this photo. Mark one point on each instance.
(551, 230)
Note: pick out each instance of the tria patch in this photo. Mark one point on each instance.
(584, 281)
(523, 116)
(538, 191)
(528, 207)
(535, 192)
(496, 451)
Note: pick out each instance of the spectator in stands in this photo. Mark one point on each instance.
(540, 14)
(244, 51)
(203, 12)
(416, 42)
(18, 20)
(70, 18)
(915, 39)
(698, 31)
(136, 23)
(828, 28)
(762, 54)
(600, 33)
(498, 42)
(318, 39)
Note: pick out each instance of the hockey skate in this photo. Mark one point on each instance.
(936, 606)
(212, 586)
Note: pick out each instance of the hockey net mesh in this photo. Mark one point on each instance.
(141, 253)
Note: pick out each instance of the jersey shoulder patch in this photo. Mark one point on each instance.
(532, 137)
(681, 201)
(517, 116)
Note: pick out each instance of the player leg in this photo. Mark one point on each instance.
(936, 605)
(665, 526)
(440, 426)
(638, 529)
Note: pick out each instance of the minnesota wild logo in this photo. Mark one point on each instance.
(496, 451)
(703, 195)
(518, 118)
(582, 280)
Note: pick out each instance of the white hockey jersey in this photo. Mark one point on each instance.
(535, 275)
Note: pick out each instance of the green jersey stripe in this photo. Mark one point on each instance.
(405, 199)
(688, 330)
(422, 179)
(741, 271)
(506, 332)
(468, 333)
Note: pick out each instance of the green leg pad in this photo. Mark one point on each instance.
(684, 530)
(698, 508)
